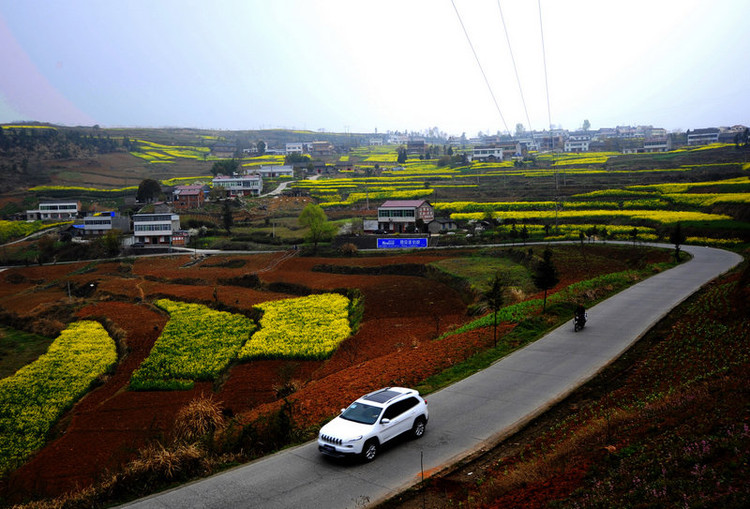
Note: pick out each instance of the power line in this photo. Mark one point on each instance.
(544, 60)
(486, 81)
(518, 79)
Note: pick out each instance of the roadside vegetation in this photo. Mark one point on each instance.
(210, 329)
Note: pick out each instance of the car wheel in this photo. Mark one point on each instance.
(417, 431)
(370, 450)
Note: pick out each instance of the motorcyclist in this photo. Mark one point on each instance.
(580, 316)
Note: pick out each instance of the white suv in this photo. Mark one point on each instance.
(373, 420)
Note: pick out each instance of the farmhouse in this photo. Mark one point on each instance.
(441, 224)
(155, 228)
(703, 136)
(188, 197)
(100, 223)
(55, 210)
(322, 149)
(240, 186)
(487, 153)
(274, 171)
(399, 216)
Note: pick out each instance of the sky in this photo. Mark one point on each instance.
(385, 65)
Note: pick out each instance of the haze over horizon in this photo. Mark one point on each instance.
(347, 66)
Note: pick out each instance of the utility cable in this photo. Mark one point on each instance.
(486, 81)
(513, 59)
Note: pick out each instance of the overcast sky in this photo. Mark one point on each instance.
(361, 65)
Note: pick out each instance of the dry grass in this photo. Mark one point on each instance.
(198, 419)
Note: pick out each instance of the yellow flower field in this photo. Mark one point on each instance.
(36, 395)
(196, 344)
(303, 328)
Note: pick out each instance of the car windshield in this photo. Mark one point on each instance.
(359, 412)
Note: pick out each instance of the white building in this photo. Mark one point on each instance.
(100, 223)
(240, 186)
(295, 148)
(487, 154)
(401, 215)
(703, 136)
(156, 228)
(274, 171)
(55, 210)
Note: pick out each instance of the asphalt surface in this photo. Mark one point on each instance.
(472, 414)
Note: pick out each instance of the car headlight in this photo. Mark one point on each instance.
(354, 439)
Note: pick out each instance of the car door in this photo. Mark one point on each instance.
(398, 415)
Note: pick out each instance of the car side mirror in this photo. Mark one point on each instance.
(385, 421)
(343, 410)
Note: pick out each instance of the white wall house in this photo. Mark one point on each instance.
(572, 145)
(54, 210)
(240, 186)
(486, 154)
(156, 228)
(100, 223)
(703, 136)
(295, 148)
(400, 215)
(274, 171)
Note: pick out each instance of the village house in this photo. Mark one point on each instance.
(275, 171)
(246, 185)
(100, 223)
(155, 228)
(486, 153)
(322, 149)
(400, 216)
(188, 197)
(54, 210)
(703, 136)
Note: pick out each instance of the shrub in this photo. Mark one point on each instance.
(198, 419)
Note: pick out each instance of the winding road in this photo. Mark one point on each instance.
(472, 414)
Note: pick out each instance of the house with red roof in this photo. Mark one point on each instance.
(401, 216)
(188, 197)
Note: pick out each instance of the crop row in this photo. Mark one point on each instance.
(37, 394)
(196, 344)
(302, 328)
(659, 216)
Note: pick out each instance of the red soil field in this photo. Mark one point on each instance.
(393, 346)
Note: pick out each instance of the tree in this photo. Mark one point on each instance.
(261, 147)
(225, 167)
(586, 125)
(524, 234)
(314, 218)
(226, 216)
(148, 191)
(546, 275)
(520, 129)
(677, 237)
(111, 241)
(634, 235)
(401, 159)
(494, 299)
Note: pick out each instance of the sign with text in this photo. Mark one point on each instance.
(400, 243)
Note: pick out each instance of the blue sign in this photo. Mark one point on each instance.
(399, 243)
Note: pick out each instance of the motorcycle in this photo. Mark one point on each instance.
(579, 322)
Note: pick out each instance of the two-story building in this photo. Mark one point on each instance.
(703, 136)
(155, 228)
(295, 148)
(322, 149)
(399, 216)
(188, 197)
(54, 210)
(101, 223)
(246, 185)
(487, 153)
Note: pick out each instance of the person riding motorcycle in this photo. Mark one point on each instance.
(580, 318)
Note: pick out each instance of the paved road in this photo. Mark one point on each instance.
(469, 415)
